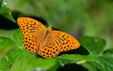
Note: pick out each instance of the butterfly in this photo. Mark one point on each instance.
(47, 42)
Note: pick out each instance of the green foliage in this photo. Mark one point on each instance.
(107, 63)
(6, 43)
(4, 64)
(6, 33)
(14, 55)
(4, 7)
(96, 45)
(31, 64)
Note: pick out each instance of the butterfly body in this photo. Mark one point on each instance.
(47, 33)
(47, 42)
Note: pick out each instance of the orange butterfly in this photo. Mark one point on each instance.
(49, 42)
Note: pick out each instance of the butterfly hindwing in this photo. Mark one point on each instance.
(30, 26)
(30, 43)
(49, 50)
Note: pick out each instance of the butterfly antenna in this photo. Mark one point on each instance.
(47, 18)
(60, 22)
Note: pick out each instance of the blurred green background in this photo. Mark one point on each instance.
(82, 17)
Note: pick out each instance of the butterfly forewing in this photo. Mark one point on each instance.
(30, 26)
(32, 31)
(64, 41)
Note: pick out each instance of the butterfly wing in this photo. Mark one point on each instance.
(32, 31)
(50, 49)
(64, 41)
(58, 42)
(30, 26)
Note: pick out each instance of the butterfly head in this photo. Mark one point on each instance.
(49, 28)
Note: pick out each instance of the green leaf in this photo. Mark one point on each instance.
(17, 54)
(106, 62)
(4, 64)
(79, 54)
(94, 44)
(32, 64)
(4, 7)
(6, 43)
(10, 17)
(6, 33)
(109, 51)
(5, 11)
(97, 45)
(18, 38)
(13, 56)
